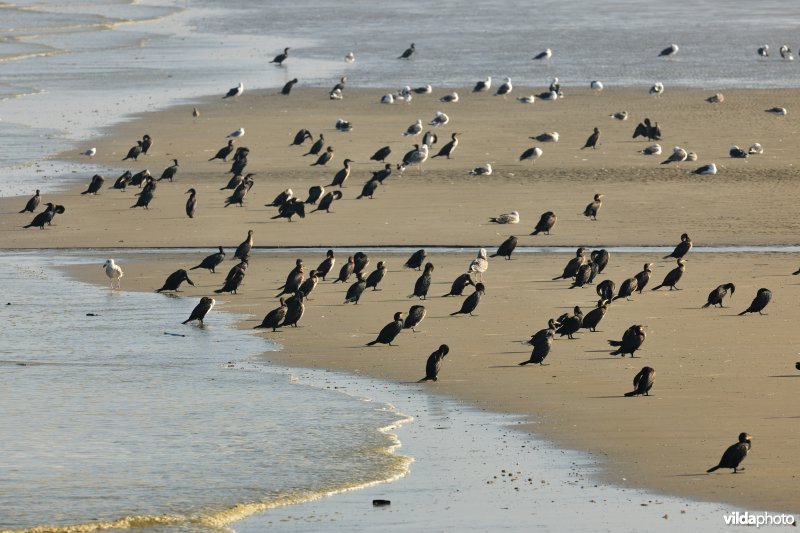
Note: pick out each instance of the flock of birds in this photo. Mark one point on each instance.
(300, 282)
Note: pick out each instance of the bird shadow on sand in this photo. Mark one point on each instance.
(785, 376)
(698, 474)
(604, 397)
(514, 366)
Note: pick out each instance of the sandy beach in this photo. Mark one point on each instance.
(717, 374)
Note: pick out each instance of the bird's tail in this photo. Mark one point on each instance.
(667, 256)
(220, 291)
(426, 378)
(524, 363)
(631, 393)
(186, 321)
(28, 226)
(743, 312)
(614, 343)
(712, 469)
(535, 232)
(493, 255)
(793, 273)
(85, 192)
(275, 217)
(454, 314)
(558, 277)
(372, 343)
(706, 305)
(23, 210)
(657, 287)
(195, 267)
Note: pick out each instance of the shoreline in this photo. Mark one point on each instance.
(646, 202)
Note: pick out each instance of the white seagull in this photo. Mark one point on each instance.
(479, 265)
(416, 157)
(504, 89)
(653, 149)
(777, 111)
(678, 154)
(526, 99)
(236, 134)
(414, 129)
(786, 53)
(236, 91)
(387, 99)
(113, 271)
(547, 54)
(531, 153)
(756, 149)
(506, 218)
(717, 98)
(619, 115)
(669, 51)
(90, 152)
(596, 85)
(452, 97)
(440, 119)
(706, 170)
(481, 171)
(483, 86)
(349, 58)
(763, 50)
(657, 89)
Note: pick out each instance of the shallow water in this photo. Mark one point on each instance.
(70, 70)
(129, 413)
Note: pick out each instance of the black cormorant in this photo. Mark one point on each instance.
(735, 454)
(643, 382)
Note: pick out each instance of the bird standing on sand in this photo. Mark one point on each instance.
(355, 290)
(288, 87)
(346, 271)
(735, 454)
(316, 148)
(416, 259)
(327, 264)
(234, 92)
(170, 172)
(236, 134)
(506, 248)
(280, 58)
(572, 266)
(479, 265)
(541, 341)
(191, 203)
(408, 52)
(605, 289)
(349, 58)
(643, 277)
(32, 203)
(195, 113)
(342, 175)
(381, 154)
(243, 250)
(592, 209)
(483, 86)
(201, 310)
(591, 142)
(390, 331)
(593, 317)
(763, 50)
(545, 224)
(134, 152)
(95, 185)
(274, 317)
(212, 261)
(715, 297)
(448, 149)
(113, 271)
(174, 280)
(533, 154)
(91, 152)
(325, 158)
(547, 137)
(300, 137)
(423, 283)
(571, 324)
(224, 152)
(376, 276)
(657, 89)
(678, 155)
(673, 276)
(416, 314)
(295, 309)
(627, 288)
(434, 363)
(414, 129)
(439, 119)
(682, 248)
(471, 302)
(632, 340)
(505, 88)
(762, 299)
(643, 382)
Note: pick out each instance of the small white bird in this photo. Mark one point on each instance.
(717, 98)
(195, 112)
(336, 94)
(440, 119)
(669, 51)
(90, 152)
(505, 89)
(343, 125)
(349, 58)
(483, 86)
(549, 96)
(234, 92)
(415, 157)
(691, 156)
(619, 115)
(547, 54)
(481, 171)
(706, 170)
(236, 134)
(657, 89)
(596, 85)
(756, 149)
(531, 153)
(113, 271)
(479, 265)
(526, 99)
(506, 218)
(786, 53)
(653, 149)
(763, 50)
(448, 98)
(777, 111)
(547, 137)
(678, 154)
(414, 129)
(387, 99)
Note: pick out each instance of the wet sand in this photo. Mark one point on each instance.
(717, 374)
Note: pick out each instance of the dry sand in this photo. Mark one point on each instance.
(717, 374)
